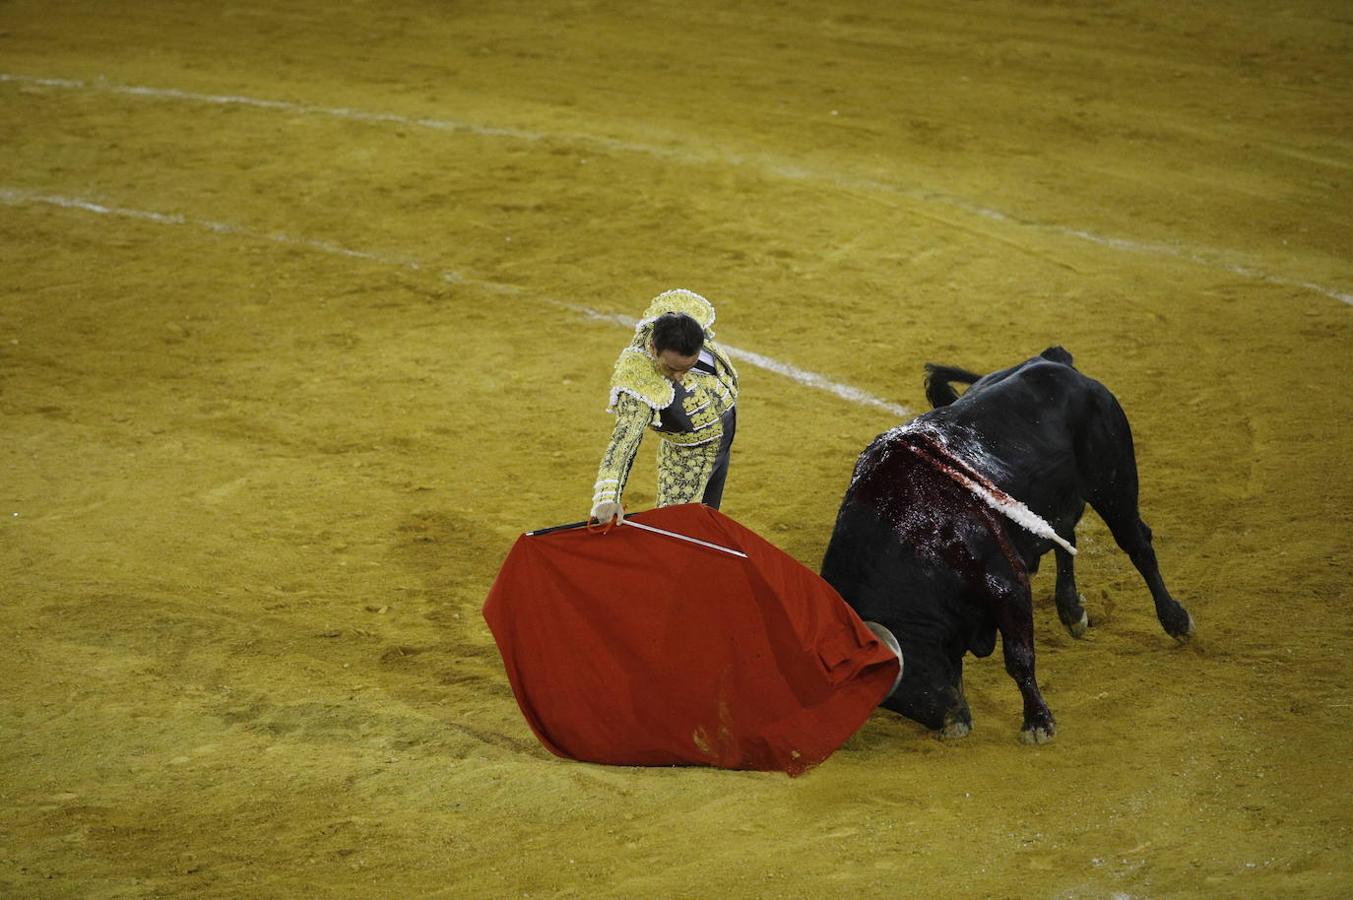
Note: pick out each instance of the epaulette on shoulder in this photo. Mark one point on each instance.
(634, 375)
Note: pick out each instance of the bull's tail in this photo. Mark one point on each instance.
(939, 381)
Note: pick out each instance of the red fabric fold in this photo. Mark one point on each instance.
(633, 648)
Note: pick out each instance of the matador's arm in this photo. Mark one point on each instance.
(631, 418)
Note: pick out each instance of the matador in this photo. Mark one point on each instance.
(675, 380)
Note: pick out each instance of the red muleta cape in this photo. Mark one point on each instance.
(634, 648)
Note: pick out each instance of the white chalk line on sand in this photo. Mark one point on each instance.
(677, 154)
(19, 197)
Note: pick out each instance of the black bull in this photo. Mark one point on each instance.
(917, 550)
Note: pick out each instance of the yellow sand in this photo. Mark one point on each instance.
(255, 486)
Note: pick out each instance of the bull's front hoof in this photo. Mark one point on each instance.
(955, 730)
(1078, 629)
(1040, 734)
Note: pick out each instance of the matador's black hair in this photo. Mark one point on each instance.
(679, 332)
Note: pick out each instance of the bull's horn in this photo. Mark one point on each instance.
(890, 641)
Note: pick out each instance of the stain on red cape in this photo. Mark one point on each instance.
(633, 648)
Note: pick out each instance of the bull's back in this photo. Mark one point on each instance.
(1035, 426)
(1038, 393)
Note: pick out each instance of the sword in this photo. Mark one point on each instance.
(642, 527)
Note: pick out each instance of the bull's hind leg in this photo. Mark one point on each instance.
(1134, 537)
(1109, 468)
(1014, 609)
(1070, 608)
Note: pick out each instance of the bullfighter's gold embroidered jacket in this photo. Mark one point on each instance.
(695, 406)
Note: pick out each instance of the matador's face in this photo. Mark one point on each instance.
(671, 364)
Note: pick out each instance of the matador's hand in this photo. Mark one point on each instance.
(608, 510)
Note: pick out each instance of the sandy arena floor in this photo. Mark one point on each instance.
(308, 309)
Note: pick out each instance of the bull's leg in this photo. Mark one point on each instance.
(1109, 467)
(1070, 608)
(958, 717)
(1134, 537)
(1014, 609)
